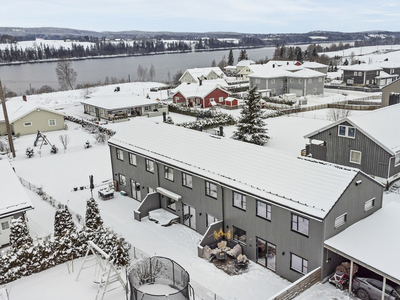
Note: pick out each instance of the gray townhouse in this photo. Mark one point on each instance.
(391, 93)
(265, 198)
(369, 142)
(312, 65)
(278, 81)
(360, 74)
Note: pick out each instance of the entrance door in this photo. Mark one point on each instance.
(189, 216)
(266, 253)
(97, 112)
(5, 231)
(135, 189)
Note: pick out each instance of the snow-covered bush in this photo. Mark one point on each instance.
(216, 121)
(19, 233)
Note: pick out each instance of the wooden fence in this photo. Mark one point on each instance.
(299, 286)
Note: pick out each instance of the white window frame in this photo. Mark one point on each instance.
(27, 124)
(360, 74)
(355, 73)
(309, 80)
(149, 166)
(5, 225)
(187, 180)
(211, 189)
(210, 219)
(347, 131)
(341, 220)
(265, 213)
(299, 223)
(50, 121)
(120, 154)
(132, 159)
(239, 200)
(273, 90)
(397, 160)
(350, 81)
(221, 99)
(273, 81)
(300, 80)
(291, 80)
(369, 204)
(168, 173)
(121, 179)
(303, 262)
(354, 161)
(320, 79)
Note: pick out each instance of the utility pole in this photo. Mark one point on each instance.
(3, 103)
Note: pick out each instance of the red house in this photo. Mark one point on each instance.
(202, 96)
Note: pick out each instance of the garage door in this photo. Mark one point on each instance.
(298, 92)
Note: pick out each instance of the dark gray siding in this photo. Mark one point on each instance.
(278, 232)
(362, 77)
(374, 159)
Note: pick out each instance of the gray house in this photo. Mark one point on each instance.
(266, 199)
(370, 142)
(391, 93)
(361, 74)
(312, 65)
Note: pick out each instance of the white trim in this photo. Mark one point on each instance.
(341, 220)
(355, 162)
(55, 122)
(372, 201)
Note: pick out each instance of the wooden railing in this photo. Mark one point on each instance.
(299, 286)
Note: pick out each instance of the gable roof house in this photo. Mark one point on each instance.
(391, 93)
(285, 204)
(204, 96)
(196, 74)
(370, 142)
(312, 65)
(14, 200)
(390, 67)
(28, 118)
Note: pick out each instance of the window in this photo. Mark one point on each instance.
(187, 180)
(300, 80)
(5, 225)
(147, 108)
(377, 72)
(149, 166)
(309, 80)
(339, 221)
(26, 124)
(263, 210)
(52, 122)
(355, 73)
(221, 99)
(132, 159)
(169, 173)
(211, 189)
(272, 81)
(298, 264)
(273, 90)
(369, 204)
(347, 131)
(355, 157)
(320, 79)
(360, 74)
(367, 82)
(397, 160)
(120, 154)
(176, 98)
(135, 189)
(300, 224)
(291, 80)
(314, 90)
(150, 190)
(350, 81)
(239, 235)
(239, 200)
(171, 203)
(122, 179)
(210, 219)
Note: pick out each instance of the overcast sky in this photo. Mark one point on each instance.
(246, 16)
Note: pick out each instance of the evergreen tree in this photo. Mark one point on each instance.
(19, 233)
(298, 54)
(231, 59)
(346, 62)
(213, 63)
(242, 55)
(93, 219)
(251, 125)
(63, 222)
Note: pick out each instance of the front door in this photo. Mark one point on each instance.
(135, 189)
(5, 231)
(189, 216)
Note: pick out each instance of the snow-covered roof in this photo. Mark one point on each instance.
(118, 101)
(381, 125)
(199, 72)
(245, 62)
(383, 74)
(264, 72)
(16, 109)
(361, 67)
(13, 196)
(313, 64)
(360, 241)
(257, 170)
(306, 73)
(389, 64)
(280, 63)
(195, 90)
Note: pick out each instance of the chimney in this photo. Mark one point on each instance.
(24, 98)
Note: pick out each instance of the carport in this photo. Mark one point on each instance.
(372, 243)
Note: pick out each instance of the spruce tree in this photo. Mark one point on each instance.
(231, 59)
(251, 125)
(19, 233)
(242, 55)
(93, 219)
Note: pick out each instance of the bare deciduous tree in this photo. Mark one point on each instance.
(152, 73)
(335, 114)
(64, 140)
(66, 75)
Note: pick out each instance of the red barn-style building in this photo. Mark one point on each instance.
(202, 96)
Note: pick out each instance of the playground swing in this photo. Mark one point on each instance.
(45, 141)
